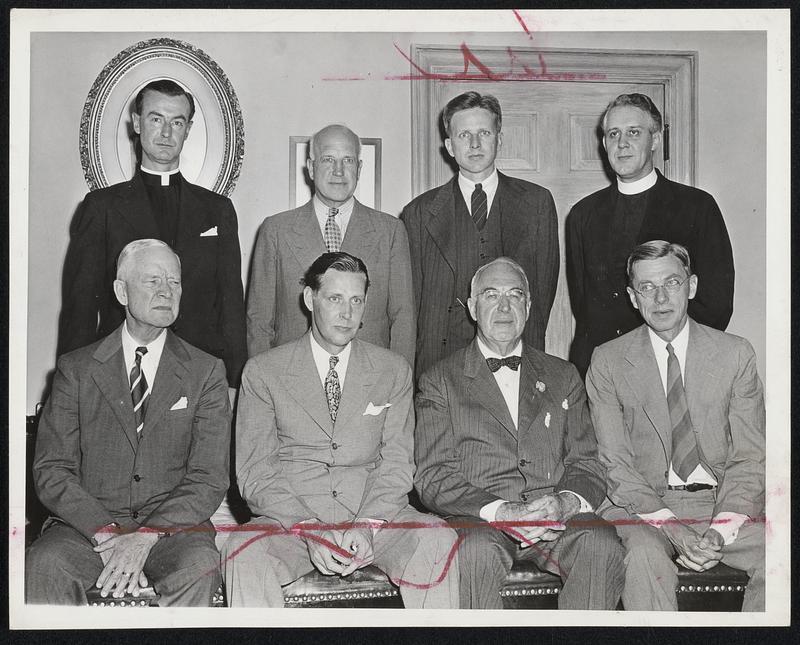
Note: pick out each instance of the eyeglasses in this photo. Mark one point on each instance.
(671, 286)
(493, 295)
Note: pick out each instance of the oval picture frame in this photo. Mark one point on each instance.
(213, 152)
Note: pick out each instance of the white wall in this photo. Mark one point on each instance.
(280, 80)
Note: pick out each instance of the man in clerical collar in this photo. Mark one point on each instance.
(505, 450)
(132, 454)
(159, 203)
(640, 205)
(679, 412)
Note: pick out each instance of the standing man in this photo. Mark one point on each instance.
(159, 203)
(603, 228)
(325, 459)
(679, 413)
(479, 215)
(503, 435)
(132, 453)
(287, 244)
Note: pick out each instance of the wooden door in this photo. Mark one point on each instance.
(551, 135)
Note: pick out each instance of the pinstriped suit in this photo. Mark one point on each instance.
(469, 453)
(528, 228)
(289, 242)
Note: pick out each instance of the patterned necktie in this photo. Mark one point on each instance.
(684, 445)
(332, 390)
(511, 362)
(479, 207)
(139, 390)
(333, 236)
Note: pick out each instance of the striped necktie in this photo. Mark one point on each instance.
(139, 390)
(333, 391)
(479, 207)
(684, 445)
(333, 235)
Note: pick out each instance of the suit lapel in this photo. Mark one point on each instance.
(440, 222)
(699, 373)
(304, 238)
(361, 376)
(193, 218)
(360, 237)
(135, 209)
(645, 379)
(168, 384)
(111, 381)
(508, 205)
(302, 382)
(530, 398)
(483, 388)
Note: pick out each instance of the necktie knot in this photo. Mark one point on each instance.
(140, 352)
(332, 362)
(670, 350)
(512, 362)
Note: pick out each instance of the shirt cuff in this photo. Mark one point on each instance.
(586, 507)
(727, 524)
(489, 512)
(657, 518)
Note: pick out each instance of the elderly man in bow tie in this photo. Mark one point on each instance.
(505, 449)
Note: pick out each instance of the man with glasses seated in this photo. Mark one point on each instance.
(506, 451)
(678, 408)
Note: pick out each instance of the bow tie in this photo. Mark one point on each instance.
(509, 361)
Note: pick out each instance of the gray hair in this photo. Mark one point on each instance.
(640, 101)
(125, 258)
(503, 260)
(655, 249)
(312, 152)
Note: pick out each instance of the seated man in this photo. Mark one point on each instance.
(132, 453)
(324, 457)
(679, 413)
(506, 450)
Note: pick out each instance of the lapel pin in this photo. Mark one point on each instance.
(540, 386)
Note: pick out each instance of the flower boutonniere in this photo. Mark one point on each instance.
(547, 420)
(540, 386)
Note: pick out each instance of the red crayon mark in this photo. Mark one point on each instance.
(522, 22)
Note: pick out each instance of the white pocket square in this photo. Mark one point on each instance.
(212, 232)
(375, 410)
(180, 404)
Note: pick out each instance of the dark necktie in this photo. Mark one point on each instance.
(139, 390)
(333, 235)
(332, 390)
(684, 445)
(511, 362)
(479, 207)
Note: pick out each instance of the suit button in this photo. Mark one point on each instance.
(335, 494)
(615, 294)
(483, 256)
(444, 341)
(136, 478)
(450, 308)
(334, 445)
(619, 331)
(523, 462)
(135, 514)
(523, 497)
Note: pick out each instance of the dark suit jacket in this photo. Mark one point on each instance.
(529, 236)
(468, 451)
(90, 469)
(726, 405)
(286, 246)
(294, 464)
(212, 305)
(675, 213)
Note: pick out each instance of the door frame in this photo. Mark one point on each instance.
(675, 70)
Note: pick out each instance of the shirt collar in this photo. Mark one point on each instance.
(129, 345)
(489, 353)
(467, 185)
(638, 186)
(321, 208)
(679, 343)
(322, 358)
(164, 174)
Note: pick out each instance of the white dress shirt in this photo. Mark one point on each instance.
(164, 174)
(150, 360)
(322, 361)
(727, 524)
(342, 218)
(489, 186)
(638, 186)
(508, 382)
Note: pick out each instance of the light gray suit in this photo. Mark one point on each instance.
(294, 465)
(631, 419)
(286, 246)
